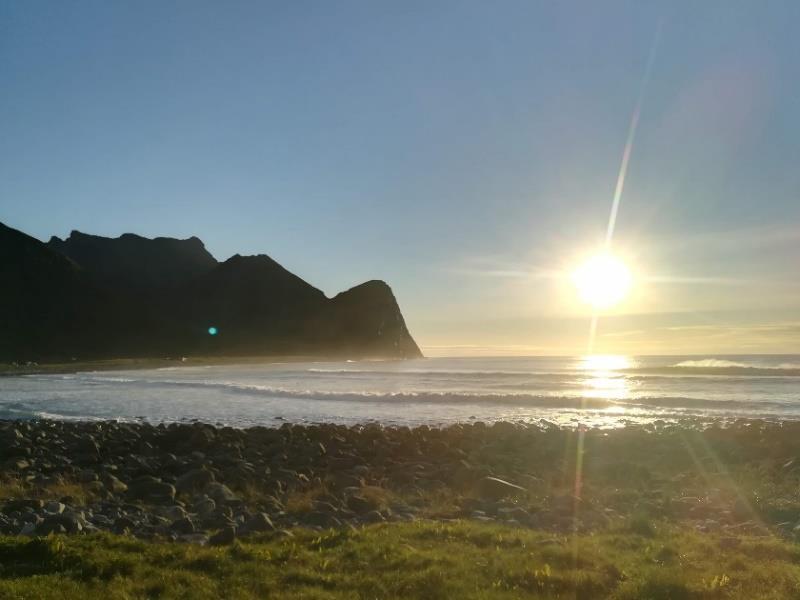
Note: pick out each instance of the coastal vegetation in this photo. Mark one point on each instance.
(133, 510)
(409, 560)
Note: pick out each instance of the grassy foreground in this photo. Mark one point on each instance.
(414, 560)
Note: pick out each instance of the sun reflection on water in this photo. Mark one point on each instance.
(605, 362)
(602, 376)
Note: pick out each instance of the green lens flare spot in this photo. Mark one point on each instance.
(212, 331)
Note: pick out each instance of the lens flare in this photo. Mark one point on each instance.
(212, 331)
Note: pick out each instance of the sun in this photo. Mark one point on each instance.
(603, 281)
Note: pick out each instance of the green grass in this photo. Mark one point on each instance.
(415, 560)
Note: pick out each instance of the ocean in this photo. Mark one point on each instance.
(604, 391)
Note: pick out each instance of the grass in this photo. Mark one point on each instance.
(14, 487)
(414, 560)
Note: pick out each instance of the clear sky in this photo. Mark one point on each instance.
(466, 152)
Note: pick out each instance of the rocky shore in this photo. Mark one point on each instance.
(211, 485)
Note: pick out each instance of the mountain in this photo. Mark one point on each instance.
(134, 261)
(89, 296)
(48, 303)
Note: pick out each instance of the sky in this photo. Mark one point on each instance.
(466, 152)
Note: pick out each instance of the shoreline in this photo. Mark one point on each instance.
(138, 364)
(191, 482)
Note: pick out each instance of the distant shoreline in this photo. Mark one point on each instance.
(135, 364)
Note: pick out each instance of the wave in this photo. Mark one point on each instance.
(712, 362)
(688, 367)
(443, 372)
(524, 400)
(709, 368)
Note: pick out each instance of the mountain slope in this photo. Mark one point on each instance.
(48, 304)
(95, 297)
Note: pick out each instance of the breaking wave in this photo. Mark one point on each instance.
(508, 399)
(717, 366)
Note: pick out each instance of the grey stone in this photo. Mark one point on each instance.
(221, 493)
(152, 490)
(224, 537)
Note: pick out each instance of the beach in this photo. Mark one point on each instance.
(567, 512)
(188, 482)
(666, 477)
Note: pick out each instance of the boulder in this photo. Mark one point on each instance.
(204, 506)
(194, 480)
(151, 490)
(183, 526)
(113, 484)
(360, 505)
(54, 508)
(221, 493)
(60, 523)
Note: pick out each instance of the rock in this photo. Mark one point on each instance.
(61, 523)
(204, 506)
(151, 490)
(23, 504)
(28, 529)
(48, 527)
(173, 513)
(86, 476)
(373, 516)
(221, 493)
(17, 464)
(361, 505)
(220, 518)
(98, 489)
(326, 507)
(194, 480)
(114, 485)
(123, 525)
(259, 522)
(10, 436)
(224, 537)
(183, 526)
(464, 475)
(493, 488)
(54, 508)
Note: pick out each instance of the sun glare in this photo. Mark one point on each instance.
(603, 281)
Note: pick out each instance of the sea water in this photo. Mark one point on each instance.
(603, 391)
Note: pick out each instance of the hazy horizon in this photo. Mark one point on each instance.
(465, 153)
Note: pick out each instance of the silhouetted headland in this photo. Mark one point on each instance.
(91, 297)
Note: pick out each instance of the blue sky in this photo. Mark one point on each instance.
(466, 152)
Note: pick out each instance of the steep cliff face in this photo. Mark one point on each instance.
(90, 296)
(369, 319)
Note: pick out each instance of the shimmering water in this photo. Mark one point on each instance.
(600, 390)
